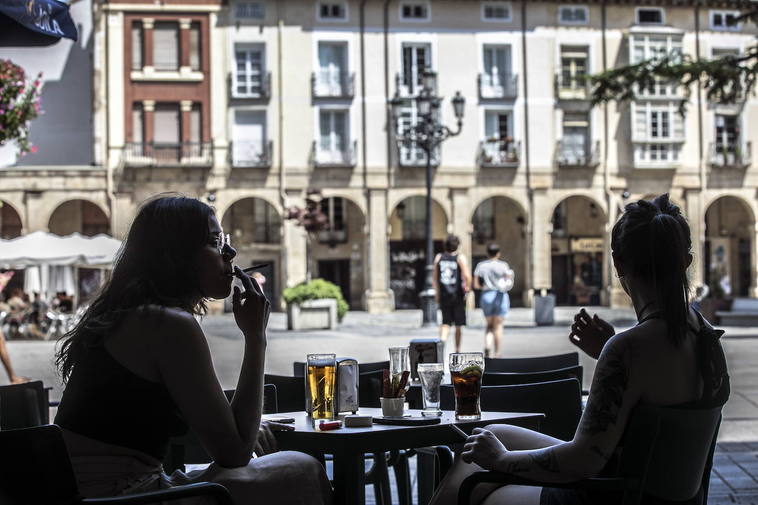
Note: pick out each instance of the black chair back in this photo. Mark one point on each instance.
(670, 450)
(532, 364)
(23, 405)
(290, 392)
(35, 468)
(298, 367)
(514, 378)
(560, 401)
(370, 389)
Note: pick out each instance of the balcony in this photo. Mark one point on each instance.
(574, 87)
(497, 87)
(327, 84)
(198, 154)
(344, 158)
(657, 154)
(730, 156)
(405, 90)
(499, 154)
(578, 157)
(657, 90)
(409, 155)
(260, 90)
(248, 153)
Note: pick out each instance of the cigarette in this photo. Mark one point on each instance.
(255, 267)
(459, 431)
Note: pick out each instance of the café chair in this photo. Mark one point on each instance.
(560, 401)
(23, 405)
(290, 392)
(514, 378)
(36, 470)
(298, 367)
(187, 449)
(665, 454)
(531, 364)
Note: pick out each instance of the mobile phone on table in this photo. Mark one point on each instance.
(279, 419)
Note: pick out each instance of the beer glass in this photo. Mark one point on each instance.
(431, 378)
(466, 370)
(321, 376)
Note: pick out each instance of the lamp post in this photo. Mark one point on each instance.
(427, 133)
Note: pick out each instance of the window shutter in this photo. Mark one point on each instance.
(166, 121)
(195, 46)
(195, 124)
(137, 120)
(136, 46)
(166, 46)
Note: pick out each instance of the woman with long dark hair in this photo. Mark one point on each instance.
(657, 362)
(138, 369)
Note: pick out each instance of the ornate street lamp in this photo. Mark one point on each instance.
(427, 133)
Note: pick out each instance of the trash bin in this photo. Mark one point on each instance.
(544, 309)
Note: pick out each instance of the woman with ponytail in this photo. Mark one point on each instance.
(672, 357)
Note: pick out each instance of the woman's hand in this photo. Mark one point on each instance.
(590, 333)
(266, 443)
(251, 308)
(484, 449)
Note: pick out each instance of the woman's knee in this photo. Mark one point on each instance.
(304, 462)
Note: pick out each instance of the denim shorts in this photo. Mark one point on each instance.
(495, 303)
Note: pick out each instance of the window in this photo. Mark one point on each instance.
(166, 46)
(649, 16)
(333, 136)
(137, 35)
(138, 123)
(249, 137)
(248, 75)
(414, 217)
(574, 66)
(658, 131)
(720, 52)
(267, 223)
(497, 70)
(725, 21)
(410, 153)
(416, 59)
(250, 10)
(654, 47)
(195, 130)
(497, 125)
(331, 11)
(496, 11)
(414, 11)
(194, 49)
(727, 133)
(335, 210)
(498, 146)
(166, 124)
(332, 68)
(484, 221)
(573, 15)
(576, 138)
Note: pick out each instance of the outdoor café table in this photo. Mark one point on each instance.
(348, 445)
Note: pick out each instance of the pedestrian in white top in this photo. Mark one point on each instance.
(495, 278)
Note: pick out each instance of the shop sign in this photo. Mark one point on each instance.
(587, 245)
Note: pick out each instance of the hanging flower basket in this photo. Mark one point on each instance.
(19, 104)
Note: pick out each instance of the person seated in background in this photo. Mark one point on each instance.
(138, 370)
(657, 362)
(6, 360)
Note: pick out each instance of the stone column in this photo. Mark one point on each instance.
(541, 258)
(148, 108)
(294, 242)
(695, 213)
(147, 41)
(379, 297)
(186, 109)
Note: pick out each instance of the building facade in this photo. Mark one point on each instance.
(251, 104)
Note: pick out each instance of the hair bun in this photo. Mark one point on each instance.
(664, 205)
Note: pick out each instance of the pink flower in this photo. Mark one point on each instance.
(34, 149)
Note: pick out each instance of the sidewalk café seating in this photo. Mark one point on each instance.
(665, 454)
(298, 367)
(559, 400)
(23, 405)
(36, 470)
(187, 449)
(513, 378)
(744, 312)
(290, 392)
(531, 364)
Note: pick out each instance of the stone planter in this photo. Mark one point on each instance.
(312, 315)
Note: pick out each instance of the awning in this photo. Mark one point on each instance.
(34, 23)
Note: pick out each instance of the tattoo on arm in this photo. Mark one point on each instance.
(597, 450)
(546, 460)
(607, 395)
(515, 467)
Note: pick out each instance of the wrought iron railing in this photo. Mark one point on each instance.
(345, 157)
(499, 153)
(497, 86)
(249, 153)
(168, 154)
(327, 84)
(577, 156)
(730, 155)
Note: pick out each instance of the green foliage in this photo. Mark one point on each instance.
(19, 104)
(728, 79)
(314, 290)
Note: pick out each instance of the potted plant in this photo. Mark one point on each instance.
(313, 305)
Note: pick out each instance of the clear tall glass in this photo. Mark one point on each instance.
(399, 363)
(321, 376)
(431, 377)
(466, 370)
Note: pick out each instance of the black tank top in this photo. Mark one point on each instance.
(106, 401)
(449, 275)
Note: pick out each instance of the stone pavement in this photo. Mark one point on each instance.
(367, 336)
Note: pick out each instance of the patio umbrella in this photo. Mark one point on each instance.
(35, 23)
